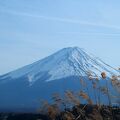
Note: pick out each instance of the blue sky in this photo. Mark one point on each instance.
(33, 29)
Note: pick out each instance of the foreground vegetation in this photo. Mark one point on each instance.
(82, 112)
(70, 107)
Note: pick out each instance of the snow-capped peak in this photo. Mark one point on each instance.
(72, 61)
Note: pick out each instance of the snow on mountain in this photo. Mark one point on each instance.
(71, 61)
(56, 73)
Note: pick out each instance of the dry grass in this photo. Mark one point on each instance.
(73, 99)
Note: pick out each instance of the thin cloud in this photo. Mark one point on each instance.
(91, 33)
(72, 21)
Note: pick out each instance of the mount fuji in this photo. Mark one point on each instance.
(24, 88)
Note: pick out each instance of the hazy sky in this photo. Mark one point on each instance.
(33, 29)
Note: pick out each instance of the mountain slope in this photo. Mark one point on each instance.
(66, 62)
(56, 73)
